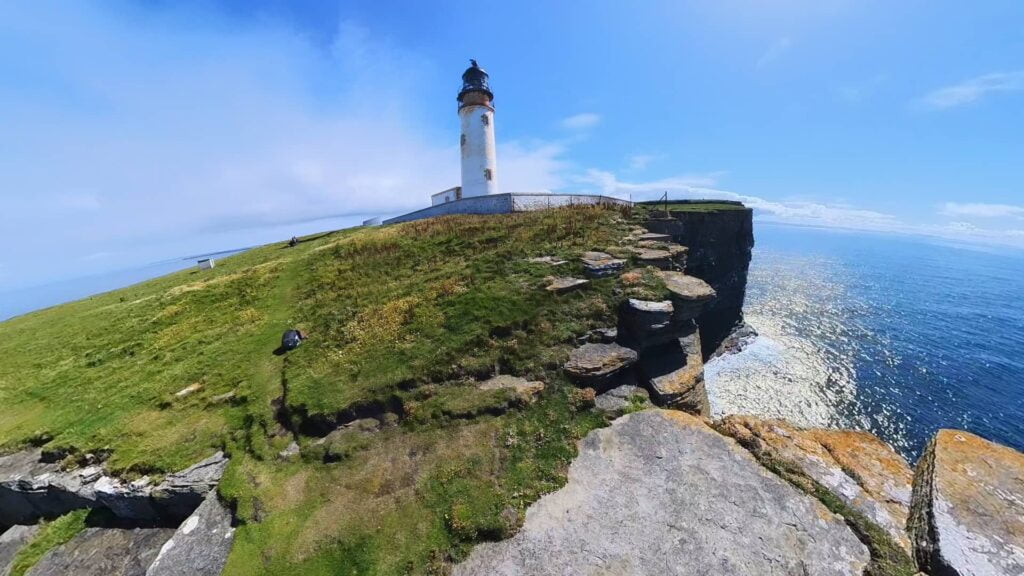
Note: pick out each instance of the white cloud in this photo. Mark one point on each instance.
(973, 90)
(979, 210)
(638, 162)
(581, 121)
(776, 50)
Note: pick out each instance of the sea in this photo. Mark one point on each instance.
(899, 336)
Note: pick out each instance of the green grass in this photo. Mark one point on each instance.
(709, 206)
(401, 319)
(51, 535)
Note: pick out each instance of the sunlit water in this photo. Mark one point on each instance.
(895, 336)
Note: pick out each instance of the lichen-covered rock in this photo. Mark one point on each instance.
(201, 544)
(660, 492)
(618, 401)
(526, 390)
(860, 469)
(689, 295)
(11, 542)
(104, 552)
(128, 500)
(601, 264)
(967, 517)
(601, 366)
(674, 373)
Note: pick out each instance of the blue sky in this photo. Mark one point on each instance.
(132, 132)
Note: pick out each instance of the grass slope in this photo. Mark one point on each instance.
(402, 320)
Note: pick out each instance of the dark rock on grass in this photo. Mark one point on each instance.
(601, 264)
(674, 373)
(967, 512)
(564, 285)
(618, 401)
(660, 492)
(11, 542)
(601, 366)
(104, 552)
(201, 544)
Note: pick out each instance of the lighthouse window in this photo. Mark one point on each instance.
(485, 119)
(463, 139)
(487, 172)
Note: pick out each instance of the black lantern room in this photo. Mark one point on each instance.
(474, 79)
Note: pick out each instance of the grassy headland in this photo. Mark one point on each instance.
(403, 320)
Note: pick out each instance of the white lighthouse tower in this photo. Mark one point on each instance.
(476, 113)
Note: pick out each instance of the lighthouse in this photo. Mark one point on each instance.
(476, 115)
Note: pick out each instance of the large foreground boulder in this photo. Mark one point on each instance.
(864, 472)
(201, 545)
(660, 492)
(967, 517)
(104, 552)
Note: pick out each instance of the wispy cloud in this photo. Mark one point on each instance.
(776, 50)
(581, 121)
(973, 90)
(979, 210)
(638, 162)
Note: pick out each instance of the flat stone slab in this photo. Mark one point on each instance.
(564, 285)
(660, 492)
(860, 469)
(675, 375)
(967, 513)
(654, 237)
(526, 390)
(549, 260)
(11, 542)
(686, 287)
(601, 264)
(200, 546)
(104, 552)
(598, 364)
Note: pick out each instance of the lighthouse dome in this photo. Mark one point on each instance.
(474, 79)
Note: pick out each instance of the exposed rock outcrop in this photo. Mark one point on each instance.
(860, 469)
(201, 544)
(660, 492)
(720, 243)
(601, 366)
(689, 295)
(643, 323)
(967, 516)
(32, 488)
(104, 552)
(674, 373)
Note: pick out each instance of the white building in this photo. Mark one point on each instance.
(446, 196)
(476, 113)
(206, 264)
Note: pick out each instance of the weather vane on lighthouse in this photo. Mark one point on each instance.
(476, 113)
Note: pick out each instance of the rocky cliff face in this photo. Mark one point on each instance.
(720, 244)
